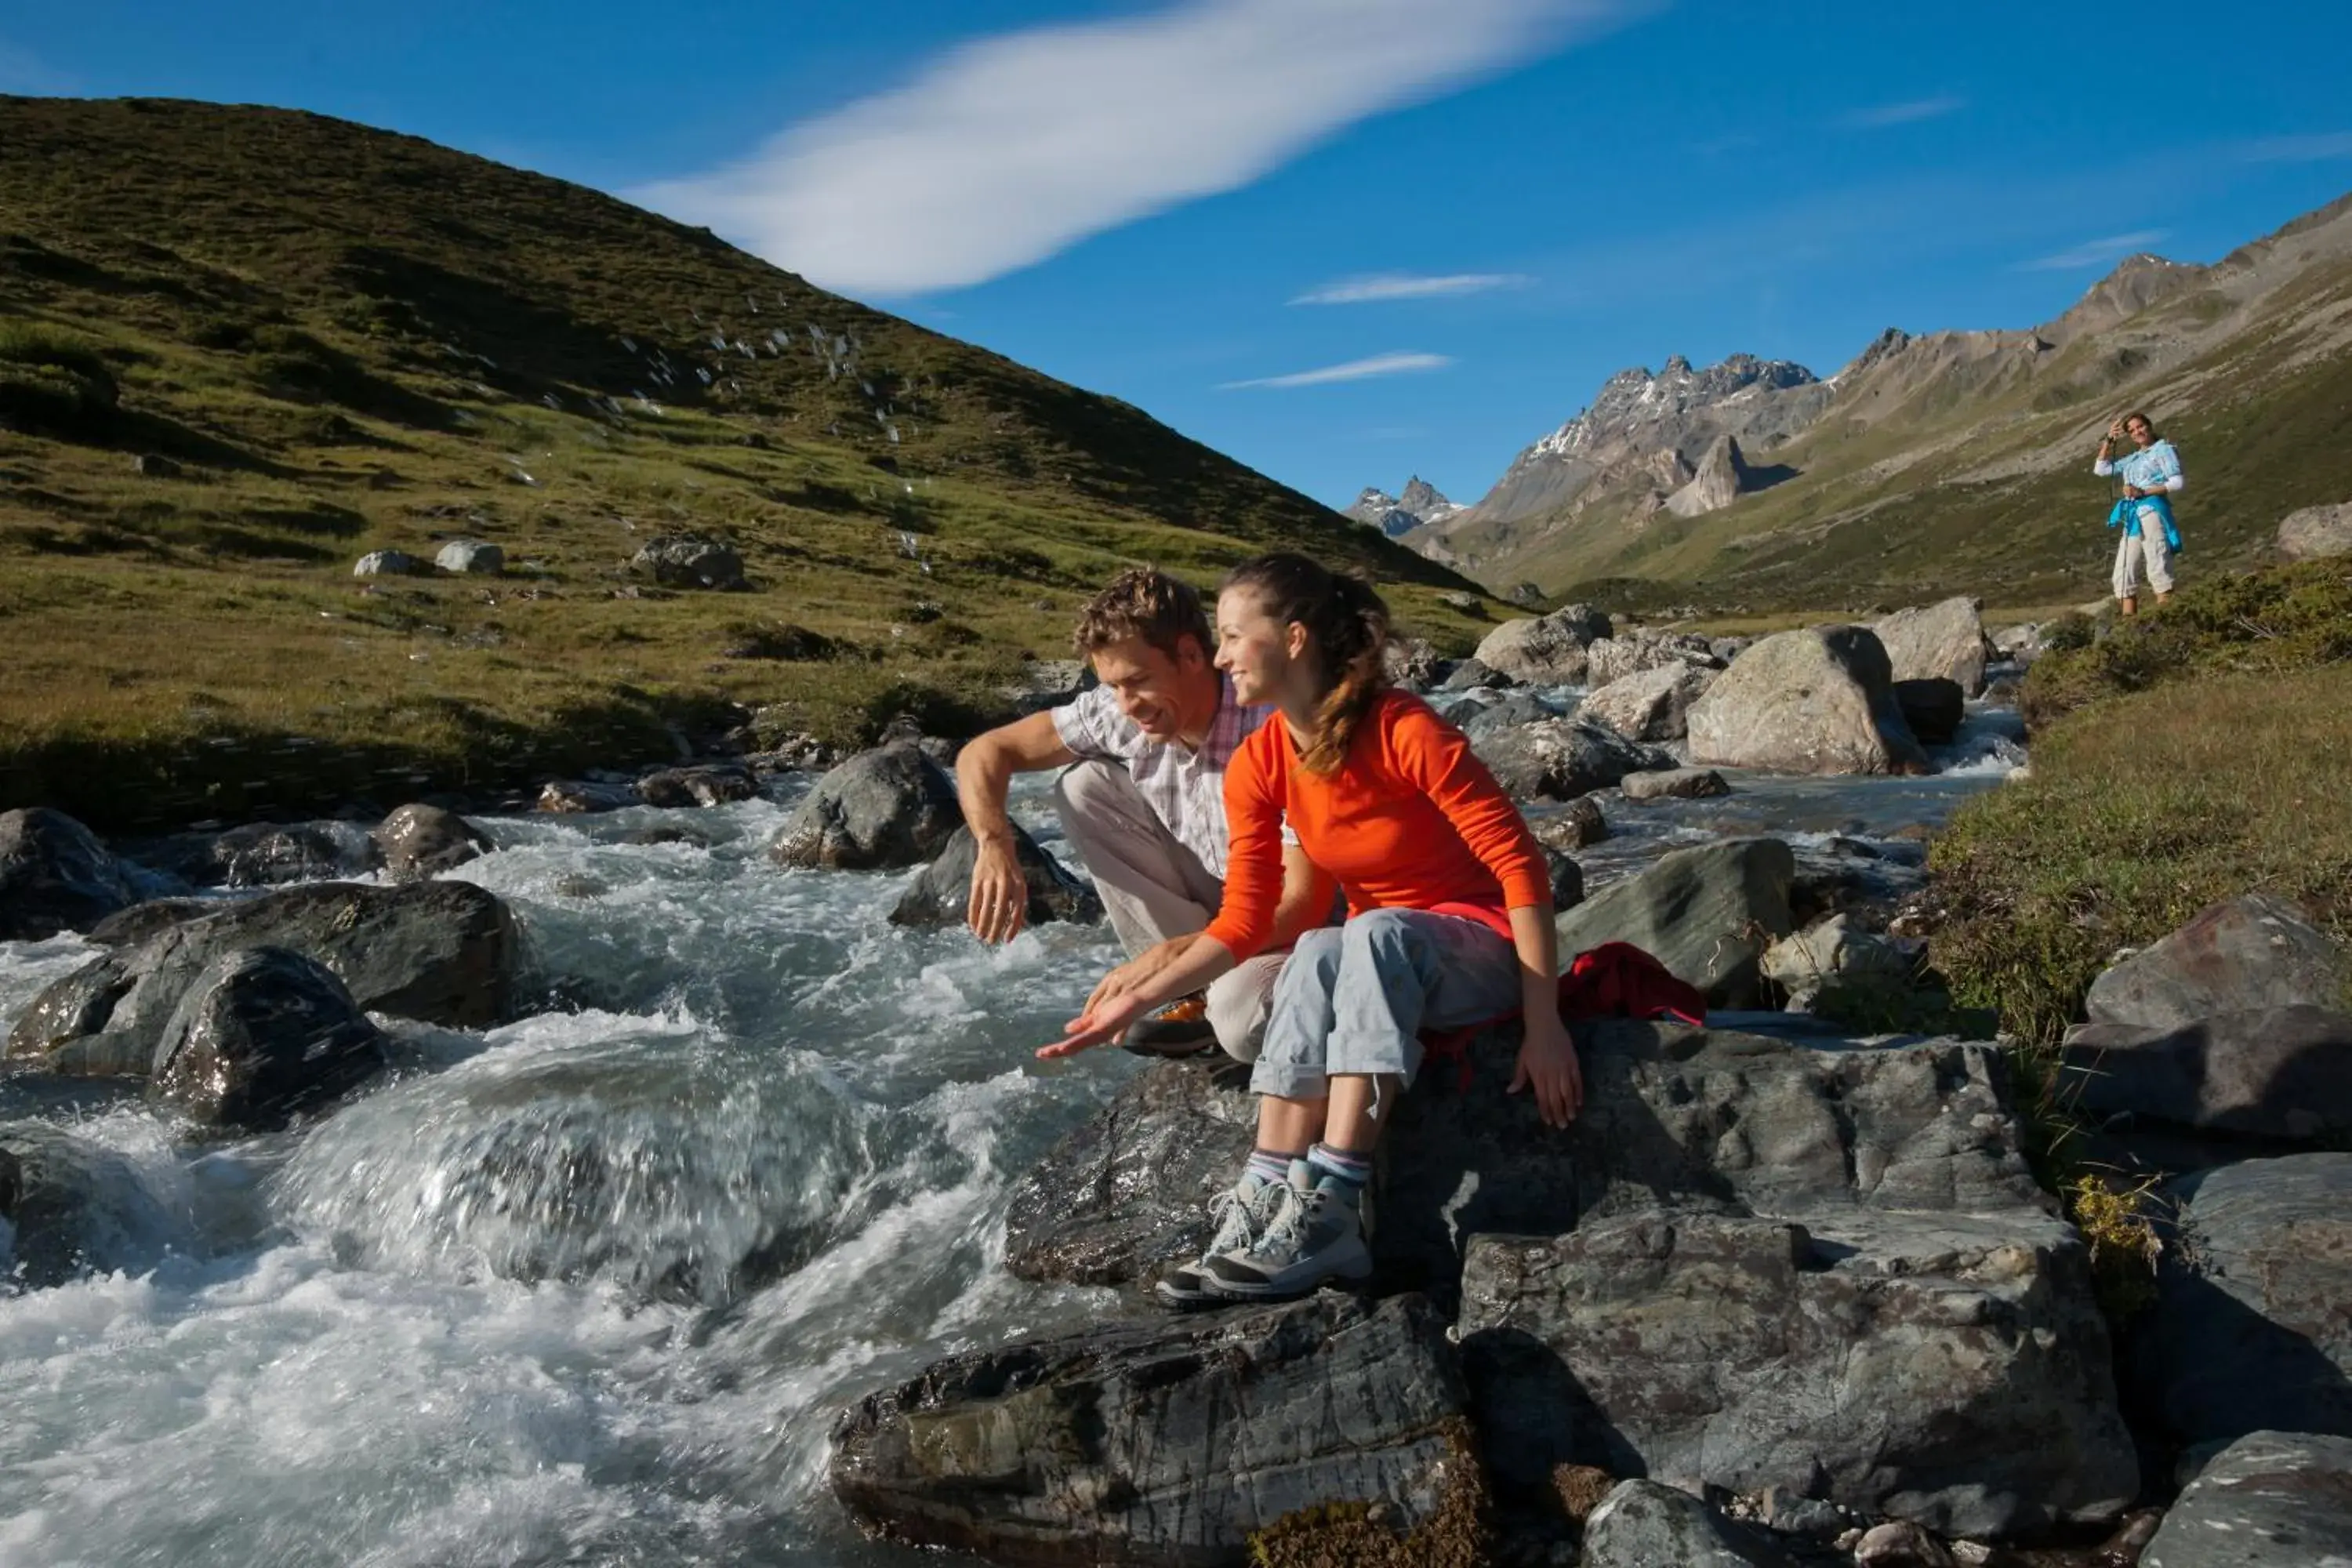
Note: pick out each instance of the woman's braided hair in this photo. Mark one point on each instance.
(1347, 631)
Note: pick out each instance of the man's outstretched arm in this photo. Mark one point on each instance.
(984, 769)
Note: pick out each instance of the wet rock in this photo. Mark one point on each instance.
(139, 922)
(441, 953)
(1558, 759)
(1612, 659)
(1413, 664)
(75, 1207)
(265, 854)
(55, 875)
(2270, 1500)
(942, 893)
(579, 796)
(710, 783)
(1814, 701)
(1706, 913)
(2248, 1331)
(2243, 954)
(888, 808)
(1549, 651)
(1470, 674)
(1901, 1544)
(1948, 1368)
(1933, 707)
(1651, 705)
(2317, 532)
(1573, 826)
(1676, 784)
(260, 1037)
(685, 560)
(418, 841)
(391, 563)
(471, 557)
(1168, 1442)
(2281, 1073)
(1943, 641)
(1566, 878)
(1496, 715)
(1641, 1524)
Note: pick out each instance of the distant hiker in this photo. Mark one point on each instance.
(1142, 800)
(2150, 475)
(1449, 923)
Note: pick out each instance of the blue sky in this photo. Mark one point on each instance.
(1344, 240)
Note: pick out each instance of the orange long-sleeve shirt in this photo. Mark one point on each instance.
(1412, 820)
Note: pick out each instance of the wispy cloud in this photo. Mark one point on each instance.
(1381, 285)
(1002, 152)
(21, 71)
(2322, 148)
(2092, 252)
(1353, 370)
(1906, 113)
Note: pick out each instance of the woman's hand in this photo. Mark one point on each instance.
(1547, 1061)
(2116, 431)
(1137, 971)
(1104, 1020)
(2132, 492)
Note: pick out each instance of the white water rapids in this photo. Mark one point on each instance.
(590, 1288)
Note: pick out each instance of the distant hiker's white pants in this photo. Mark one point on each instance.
(2148, 544)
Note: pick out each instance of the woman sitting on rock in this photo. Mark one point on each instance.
(1449, 923)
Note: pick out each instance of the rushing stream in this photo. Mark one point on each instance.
(588, 1288)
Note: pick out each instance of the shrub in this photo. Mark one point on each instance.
(53, 383)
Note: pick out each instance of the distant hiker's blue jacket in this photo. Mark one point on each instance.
(2155, 470)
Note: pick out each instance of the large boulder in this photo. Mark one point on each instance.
(1706, 913)
(1612, 659)
(685, 560)
(942, 893)
(1172, 1443)
(1815, 702)
(442, 952)
(2317, 532)
(1549, 651)
(1496, 715)
(2250, 1330)
(2270, 1500)
(1944, 641)
(1469, 674)
(471, 557)
(1933, 707)
(1641, 1524)
(1653, 704)
(885, 808)
(74, 1206)
(2243, 954)
(265, 854)
(55, 875)
(418, 841)
(1559, 759)
(2280, 1073)
(1947, 1368)
(260, 1037)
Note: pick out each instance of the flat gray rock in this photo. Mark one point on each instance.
(1675, 784)
(2270, 1500)
(1706, 913)
(2243, 954)
(2283, 1074)
(1641, 1524)
(1166, 1443)
(2251, 1330)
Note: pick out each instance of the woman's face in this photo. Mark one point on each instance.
(1252, 647)
(2140, 434)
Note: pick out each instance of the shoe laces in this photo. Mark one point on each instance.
(1240, 1210)
(1297, 1210)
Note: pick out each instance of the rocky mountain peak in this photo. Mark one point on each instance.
(1420, 506)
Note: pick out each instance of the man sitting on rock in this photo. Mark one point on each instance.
(1141, 798)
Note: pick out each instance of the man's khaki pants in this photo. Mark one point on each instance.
(1153, 887)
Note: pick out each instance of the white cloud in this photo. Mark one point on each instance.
(1906, 113)
(2092, 252)
(1002, 152)
(1382, 286)
(2324, 147)
(1353, 370)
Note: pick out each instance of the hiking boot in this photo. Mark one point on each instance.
(1316, 1235)
(1241, 1212)
(1179, 1029)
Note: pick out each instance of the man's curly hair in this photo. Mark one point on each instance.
(1147, 604)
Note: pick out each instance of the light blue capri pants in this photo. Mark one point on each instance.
(1354, 997)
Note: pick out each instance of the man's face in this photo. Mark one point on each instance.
(1151, 686)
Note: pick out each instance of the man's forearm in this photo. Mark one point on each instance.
(984, 778)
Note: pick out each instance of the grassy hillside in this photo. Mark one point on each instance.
(340, 340)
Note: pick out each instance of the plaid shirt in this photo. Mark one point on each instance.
(1185, 788)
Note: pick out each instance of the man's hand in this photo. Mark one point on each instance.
(999, 902)
(1103, 1021)
(1547, 1061)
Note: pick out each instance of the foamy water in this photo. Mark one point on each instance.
(591, 1287)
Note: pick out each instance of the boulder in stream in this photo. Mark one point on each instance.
(1612, 659)
(1548, 650)
(55, 875)
(1559, 759)
(76, 1207)
(881, 809)
(1944, 641)
(1933, 707)
(264, 854)
(420, 841)
(261, 1035)
(1814, 701)
(1652, 704)
(703, 784)
(940, 895)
